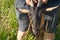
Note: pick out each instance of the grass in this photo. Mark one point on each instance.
(8, 22)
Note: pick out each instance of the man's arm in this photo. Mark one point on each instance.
(28, 2)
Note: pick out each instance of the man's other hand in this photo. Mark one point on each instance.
(45, 1)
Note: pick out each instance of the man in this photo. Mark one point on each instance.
(23, 19)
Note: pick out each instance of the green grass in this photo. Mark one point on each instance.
(58, 31)
(8, 22)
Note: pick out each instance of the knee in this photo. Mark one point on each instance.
(49, 36)
(20, 35)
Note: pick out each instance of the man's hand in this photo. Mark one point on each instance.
(28, 2)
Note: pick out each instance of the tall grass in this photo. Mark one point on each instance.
(8, 22)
